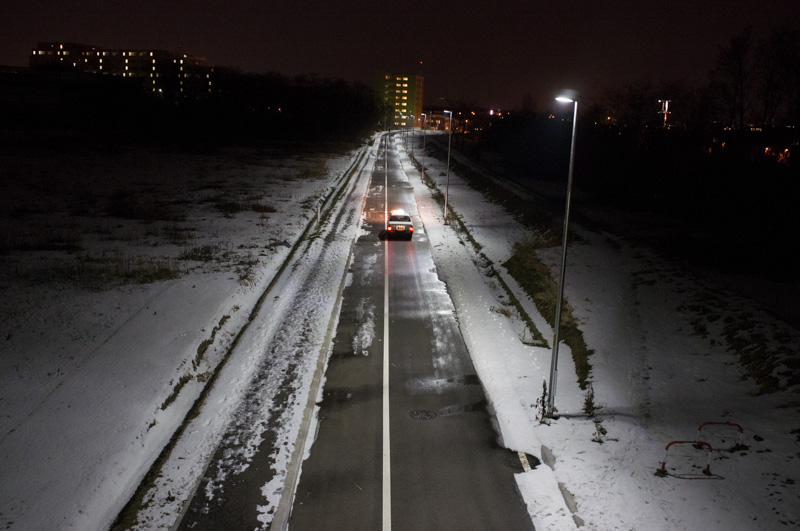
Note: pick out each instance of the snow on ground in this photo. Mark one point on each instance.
(664, 363)
(92, 362)
(90, 358)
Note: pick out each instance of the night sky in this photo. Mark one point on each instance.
(487, 53)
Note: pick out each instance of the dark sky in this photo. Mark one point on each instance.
(486, 52)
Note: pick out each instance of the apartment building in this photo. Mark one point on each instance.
(403, 94)
(163, 72)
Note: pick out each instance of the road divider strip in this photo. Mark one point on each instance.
(387, 465)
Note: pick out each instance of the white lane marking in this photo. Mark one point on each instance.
(387, 469)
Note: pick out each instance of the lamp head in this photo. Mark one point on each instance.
(567, 96)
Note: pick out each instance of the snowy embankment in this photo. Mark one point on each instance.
(97, 371)
(666, 359)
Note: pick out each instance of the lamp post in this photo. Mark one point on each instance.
(447, 182)
(424, 124)
(413, 120)
(385, 181)
(564, 98)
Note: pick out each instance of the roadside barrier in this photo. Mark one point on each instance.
(741, 431)
(697, 444)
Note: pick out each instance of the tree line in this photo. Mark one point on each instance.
(753, 85)
(241, 108)
(726, 163)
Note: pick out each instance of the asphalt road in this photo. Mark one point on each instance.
(405, 440)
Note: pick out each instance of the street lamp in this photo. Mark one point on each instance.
(385, 181)
(424, 124)
(413, 119)
(447, 185)
(567, 97)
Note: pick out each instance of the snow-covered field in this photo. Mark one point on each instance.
(98, 369)
(91, 357)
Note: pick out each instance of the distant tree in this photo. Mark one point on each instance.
(528, 103)
(734, 77)
(772, 76)
(632, 109)
(790, 62)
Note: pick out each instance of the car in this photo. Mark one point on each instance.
(400, 225)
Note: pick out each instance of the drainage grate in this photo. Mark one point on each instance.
(422, 414)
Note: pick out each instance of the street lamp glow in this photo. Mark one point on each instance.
(566, 97)
(447, 185)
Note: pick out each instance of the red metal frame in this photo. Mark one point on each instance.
(696, 444)
(741, 430)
